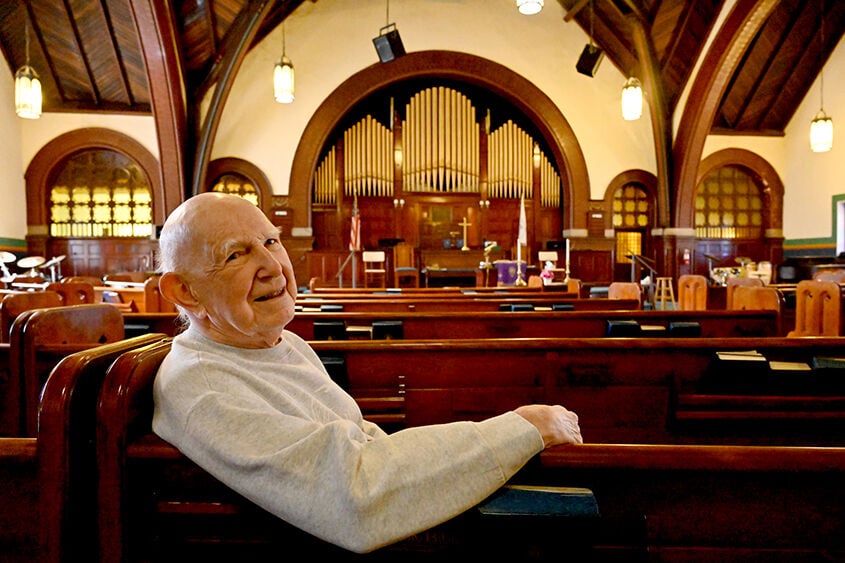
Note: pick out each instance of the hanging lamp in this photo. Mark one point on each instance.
(632, 100)
(529, 7)
(27, 88)
(821, 127)
(283, 76)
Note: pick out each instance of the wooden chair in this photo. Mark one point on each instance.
(692, 292)
(67, 464)
(93, 280)
(535, 281)
(405, 265)
(74, 293)
(374, 268)
(625, 290)
(831, 274)
(818, 309)
(732, 284)
(153, 300)
(14, 304)
(130, 277)
(749, 297)
(40, 338)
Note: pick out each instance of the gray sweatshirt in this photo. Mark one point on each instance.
(273, 426)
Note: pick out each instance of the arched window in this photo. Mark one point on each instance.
(100, 193)
(237, 184)
(631, 220)
(729, 205)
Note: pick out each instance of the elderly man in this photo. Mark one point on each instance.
(252, 404)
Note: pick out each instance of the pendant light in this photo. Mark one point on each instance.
(27, 88)
(821, 128)
(632, 100)
(529, 7)
(283, 77)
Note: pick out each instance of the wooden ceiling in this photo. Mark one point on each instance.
(88, 55)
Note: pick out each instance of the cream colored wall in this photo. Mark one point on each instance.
(813, 179)
(332, 39)
(12, 192)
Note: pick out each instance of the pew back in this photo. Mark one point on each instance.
(41, 338)
(14, 304)
(66, 457)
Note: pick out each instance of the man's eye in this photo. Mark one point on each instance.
(271, 242)
(233, 256)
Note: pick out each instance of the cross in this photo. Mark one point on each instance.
(464, 224)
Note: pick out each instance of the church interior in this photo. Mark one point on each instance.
(633, 208)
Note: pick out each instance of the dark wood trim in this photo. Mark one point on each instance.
(767, 179)
(226, 165)
(524, 95)
(159, 38)
(48, 161)
(724, 55)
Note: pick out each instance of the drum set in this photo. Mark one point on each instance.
(31, 265)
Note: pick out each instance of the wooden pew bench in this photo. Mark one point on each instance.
(496, 324)
(153, 501)
(694, 501)
(47, 494)
(19, 496)
(625, 390)
(545, 302)
(715, 503)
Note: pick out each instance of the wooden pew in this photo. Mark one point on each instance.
(715, 503)
(44, 478)
(634, 390)
(67, 468)
(40, 338)
(497, 324)
(723, 502)
(154, 501)
(467, 304)
(19, 516)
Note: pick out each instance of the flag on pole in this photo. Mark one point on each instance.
(522, 237)
(355, 228)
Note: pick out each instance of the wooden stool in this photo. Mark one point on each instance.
(664, 292)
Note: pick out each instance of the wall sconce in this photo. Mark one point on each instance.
(484, 204)
(399, 203)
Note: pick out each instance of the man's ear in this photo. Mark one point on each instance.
(176, 290)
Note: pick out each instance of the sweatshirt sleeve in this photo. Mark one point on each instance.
(347, 483)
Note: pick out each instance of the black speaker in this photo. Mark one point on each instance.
(389, 44)
(588, 62)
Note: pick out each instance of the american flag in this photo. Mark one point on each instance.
(355, 228)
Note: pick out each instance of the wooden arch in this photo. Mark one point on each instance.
(498, 79)
(48, 162)
(231, 165)
(646, 180)
(761, 171)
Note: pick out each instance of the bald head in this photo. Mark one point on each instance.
(225, 268)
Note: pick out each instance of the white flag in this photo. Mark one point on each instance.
(522, 237)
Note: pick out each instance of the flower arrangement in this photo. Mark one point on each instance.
(547, 274)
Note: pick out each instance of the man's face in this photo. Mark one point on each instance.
(247, 291)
